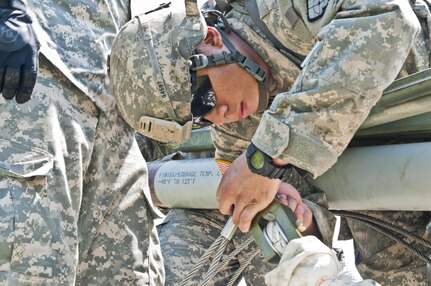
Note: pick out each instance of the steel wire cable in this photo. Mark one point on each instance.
(214, 266)
(234, 253)
(390, 231)
(208, 253)
(383, 224)
(219, 264)
(242, 267)
(400, 240)
(218, 247)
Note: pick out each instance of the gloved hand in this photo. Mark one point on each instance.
(307, 261)
(18, 55)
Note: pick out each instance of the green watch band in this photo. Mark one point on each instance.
(260, 163)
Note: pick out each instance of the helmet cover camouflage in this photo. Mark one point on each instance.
(149, 64)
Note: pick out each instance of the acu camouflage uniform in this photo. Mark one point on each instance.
(74, 199)
(360, 47)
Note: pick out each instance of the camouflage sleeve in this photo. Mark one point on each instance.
(231, 140)
(359, 53)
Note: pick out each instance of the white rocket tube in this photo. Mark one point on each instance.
(185, 183)
(389, 177)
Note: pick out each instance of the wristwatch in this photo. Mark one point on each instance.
(261, 163)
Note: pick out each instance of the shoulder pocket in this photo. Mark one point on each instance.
(22, 161)
(286, 24)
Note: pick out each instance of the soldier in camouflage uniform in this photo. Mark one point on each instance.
(75, 206)
(354, 50)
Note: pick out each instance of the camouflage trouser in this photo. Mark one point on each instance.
(152, 149)
(380, 258)
(73, 188)
(186, 234)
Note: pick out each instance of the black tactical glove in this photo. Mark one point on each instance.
(18, 54)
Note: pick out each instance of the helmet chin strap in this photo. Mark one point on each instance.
(199, 61)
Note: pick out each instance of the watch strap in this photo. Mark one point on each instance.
(282, 173)
(268, 169)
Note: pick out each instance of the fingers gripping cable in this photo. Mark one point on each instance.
(271, 229)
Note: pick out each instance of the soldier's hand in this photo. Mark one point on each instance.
(290, 197)
(306, 223)
(242, 194)
(18, 55)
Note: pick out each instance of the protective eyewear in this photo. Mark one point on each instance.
(203, 99)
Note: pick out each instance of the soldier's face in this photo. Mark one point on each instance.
(236, 92)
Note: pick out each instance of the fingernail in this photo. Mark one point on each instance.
(300, 226)
(281, 196)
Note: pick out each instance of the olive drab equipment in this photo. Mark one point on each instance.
(275, 218)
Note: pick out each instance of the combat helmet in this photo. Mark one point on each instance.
(152, 70)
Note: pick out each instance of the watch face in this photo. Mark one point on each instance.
(257, 160)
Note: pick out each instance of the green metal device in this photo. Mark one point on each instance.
(284, 218)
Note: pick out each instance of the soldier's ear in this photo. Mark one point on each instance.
(213, 38)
